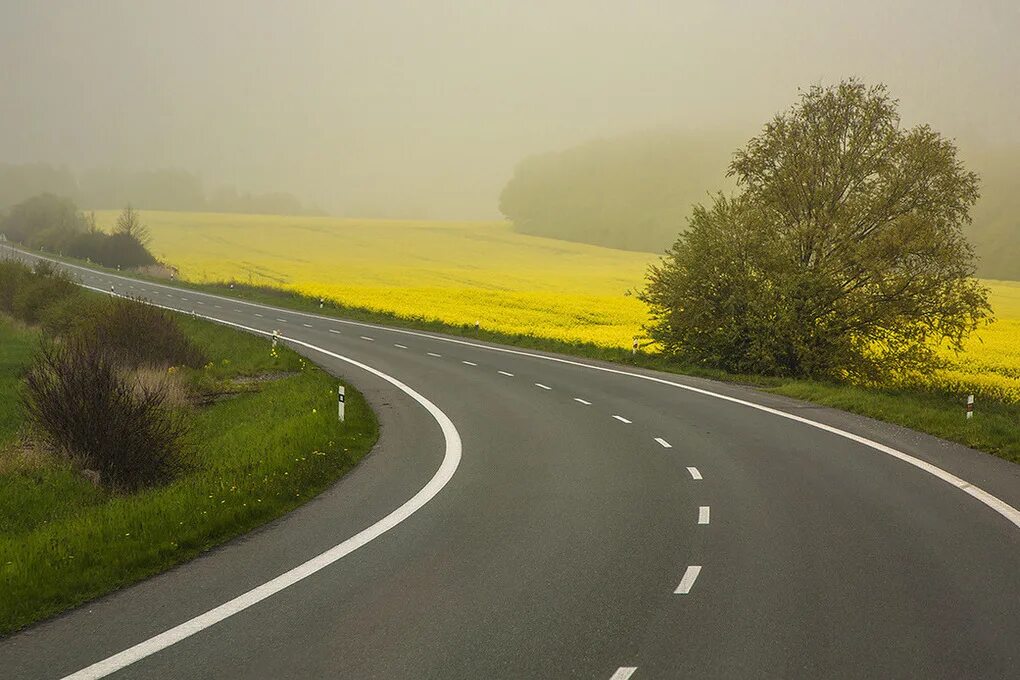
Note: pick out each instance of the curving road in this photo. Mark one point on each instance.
(526, 515)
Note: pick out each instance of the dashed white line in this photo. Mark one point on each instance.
(703, 514)
(238, 311)
(307, 325)
(509, 375)
(217, 307)
(469, 363)
(687, 581)
(663, 443)
(579, 400)
(259, 315)
(544, 387)
(282, 320)
(365, 337)
(333, 330)
(621, 419)
(695, 473)
(199, 302)
(399, 346)
(433, 354)
(623, 673)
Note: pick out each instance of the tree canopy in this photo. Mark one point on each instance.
(842, 254)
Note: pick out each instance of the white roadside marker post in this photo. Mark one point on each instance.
(340, 396)
(321, 302)
(276, 335)
(633, 348)
(970, 407)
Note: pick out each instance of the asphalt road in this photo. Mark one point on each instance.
(579, 521)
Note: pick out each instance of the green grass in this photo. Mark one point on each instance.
(254, 456)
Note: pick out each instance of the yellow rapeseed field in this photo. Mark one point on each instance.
(462, 272)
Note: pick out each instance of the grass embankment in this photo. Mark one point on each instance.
(269, 444)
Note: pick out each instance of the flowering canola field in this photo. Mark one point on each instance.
(462, 272)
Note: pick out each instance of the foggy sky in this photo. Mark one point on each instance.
(424, 108)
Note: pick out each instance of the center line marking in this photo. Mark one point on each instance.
(687, 582)
(282, 320)
(307, 325)
(200, 302)
(217, 307)
(663, 443)
(621, 419)
(333, 330)
(259, 315)
(509, 375)
(433, 354)
(623, 673)
(544, 387)
(396, 344)
(703, 513)
(694, 472)
(579, 400)
(469, 363)
(365, 337)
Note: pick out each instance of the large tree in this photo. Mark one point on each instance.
(842, 256)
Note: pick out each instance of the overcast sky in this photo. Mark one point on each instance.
(425, 107)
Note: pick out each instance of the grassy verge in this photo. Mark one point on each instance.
(995, 428)
(255, 454)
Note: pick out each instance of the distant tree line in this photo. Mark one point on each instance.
(636, 192)
(53, 223)
(147, 189)
(632, 192)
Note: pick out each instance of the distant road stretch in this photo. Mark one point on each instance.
(530, 515)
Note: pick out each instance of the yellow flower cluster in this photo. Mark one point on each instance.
(463, 272)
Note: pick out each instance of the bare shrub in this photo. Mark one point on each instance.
(86, 407)
(141, 335)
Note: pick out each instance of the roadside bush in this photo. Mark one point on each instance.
(140, 335)
(36, 292)
(88, 408)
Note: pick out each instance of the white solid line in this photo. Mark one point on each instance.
(623, 673)
(544, 387)
(433, 354)
(365, 337)
(663, 443)
(687, 582)
(307, 325)
(469, 363)
(695, 473)
(333, 330)
(509, 375)
(994, 503)
(582, 401)
(451, 459)
(703, 514)
(400, 346)
(621, 419)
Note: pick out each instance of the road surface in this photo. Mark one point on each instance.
(527, 515)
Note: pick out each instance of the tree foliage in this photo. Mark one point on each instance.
(843, 255)
(54, 223)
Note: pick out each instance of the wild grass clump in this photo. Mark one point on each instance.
(88, 408)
